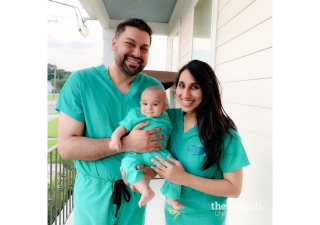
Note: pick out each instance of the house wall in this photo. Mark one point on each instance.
(241, 55)
(243, 64)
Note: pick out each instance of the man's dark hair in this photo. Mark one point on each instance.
(133, 22)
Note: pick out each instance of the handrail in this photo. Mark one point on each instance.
(61, 176)
(52, 148)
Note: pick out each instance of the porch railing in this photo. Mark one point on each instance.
(61, 176)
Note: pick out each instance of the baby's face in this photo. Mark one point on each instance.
(152, 104)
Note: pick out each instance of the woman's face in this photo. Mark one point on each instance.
(188, 92)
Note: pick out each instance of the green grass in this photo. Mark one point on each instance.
(51, 143)
(54, 113)
(52, 133)
(53, 128)
(53, 97)
(54, 152)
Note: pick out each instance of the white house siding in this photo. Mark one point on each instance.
(243, 64)
(185, 40)
(242, 56)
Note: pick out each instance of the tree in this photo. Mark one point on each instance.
(61, 76)
(60, 83)
(60, 73)
(51, 69)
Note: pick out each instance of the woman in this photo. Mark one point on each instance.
(208, 155)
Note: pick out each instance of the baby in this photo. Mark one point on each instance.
(152, 109)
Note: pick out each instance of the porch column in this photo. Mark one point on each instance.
(107, 35)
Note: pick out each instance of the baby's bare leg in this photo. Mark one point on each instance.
(146, 192)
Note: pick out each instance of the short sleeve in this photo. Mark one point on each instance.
(128, 121)
(70, 100)
(167, 121)
(233, 155)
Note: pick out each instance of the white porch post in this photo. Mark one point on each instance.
(107, 35)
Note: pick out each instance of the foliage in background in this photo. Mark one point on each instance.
(60, 83)
(61, 76)
(59, 192)
(60, 73)
(53, 128)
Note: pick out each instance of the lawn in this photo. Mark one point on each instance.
(53, 128)
(51, 158)
(53, 97)
(54, 113)
(51, 143)
(52, 133)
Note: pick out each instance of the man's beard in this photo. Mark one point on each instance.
(129, 70)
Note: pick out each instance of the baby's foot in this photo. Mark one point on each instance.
(146, 196)
(175, 204)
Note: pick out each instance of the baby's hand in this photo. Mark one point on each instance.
(115, 145)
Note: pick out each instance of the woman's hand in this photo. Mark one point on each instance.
(172, 172)
(230, 186)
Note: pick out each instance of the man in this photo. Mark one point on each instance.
(91, 104)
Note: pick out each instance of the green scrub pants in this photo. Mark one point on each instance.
(173, 217)
(97, 207)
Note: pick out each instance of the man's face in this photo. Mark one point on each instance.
(131, 50)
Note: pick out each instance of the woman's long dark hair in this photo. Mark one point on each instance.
(213, 121)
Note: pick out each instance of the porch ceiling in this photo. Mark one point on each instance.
(157, 13)
(148, 10)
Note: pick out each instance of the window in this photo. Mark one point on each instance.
(201, 43)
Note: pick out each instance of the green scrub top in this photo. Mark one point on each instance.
(135, 117)
(188, 149)
(90, 96)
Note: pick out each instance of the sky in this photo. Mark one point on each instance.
(70, 50)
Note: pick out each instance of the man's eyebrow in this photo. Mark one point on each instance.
(130, 39)
(146, 45)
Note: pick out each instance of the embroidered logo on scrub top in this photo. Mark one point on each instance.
(196, 149)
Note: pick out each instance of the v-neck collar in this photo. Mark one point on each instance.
(105, 71)
(195, 127)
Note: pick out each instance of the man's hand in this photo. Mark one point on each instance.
(148, 175)
(142, 140)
